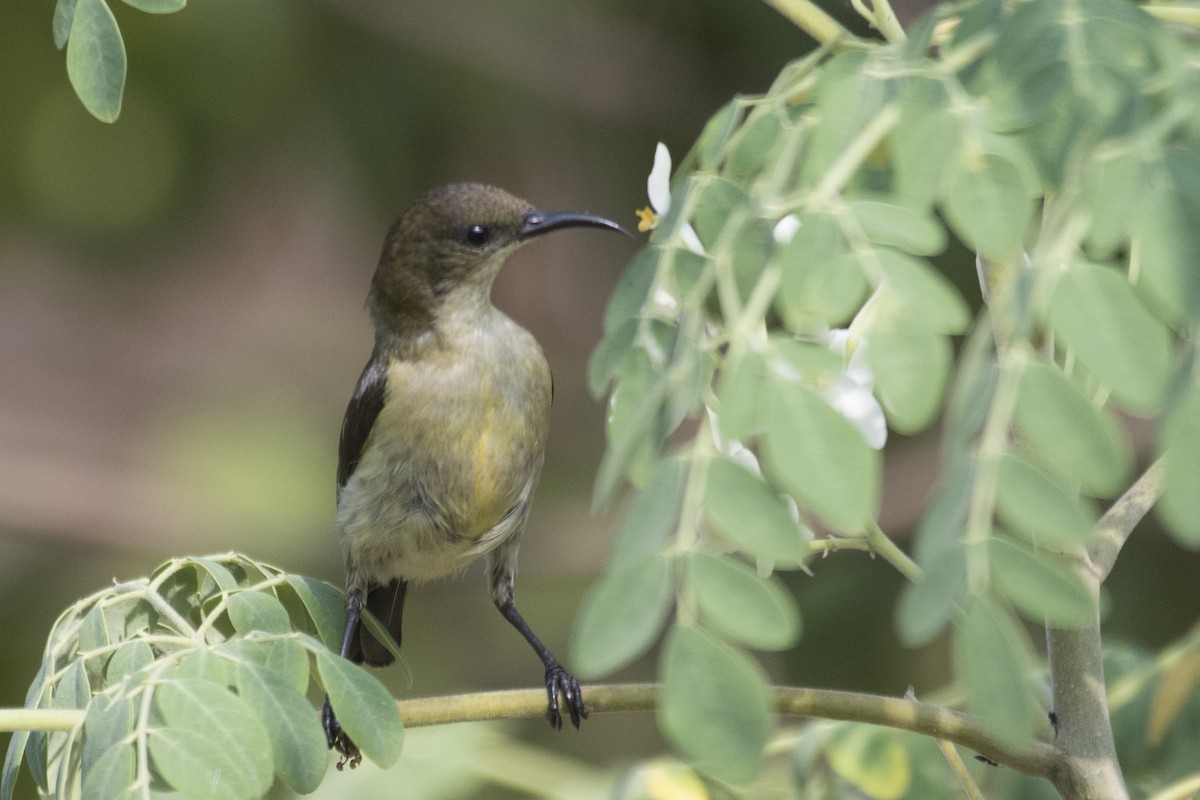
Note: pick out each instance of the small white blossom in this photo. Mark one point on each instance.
(786, 228)
(851, 394)
(658, 189)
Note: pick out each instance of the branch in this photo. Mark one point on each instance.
(1119, 521)
(1039, 759)
(39, 719)
(811, 19)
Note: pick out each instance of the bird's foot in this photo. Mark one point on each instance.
(336, 738)
(561, 682)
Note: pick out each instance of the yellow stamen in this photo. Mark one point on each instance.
(647, 219)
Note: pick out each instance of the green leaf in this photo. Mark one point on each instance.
(1067, 434)
(926, 140)
(289, 660)
(749, 252)
(206, 665)
(220, 574)
(748, 513)
(652, 516)
(872, 759)
(96, 59)
(718, 200)
(635, 425)
(621, 616)
(64, 16)
(326, 607)
(108, 761)
(608, 356)
(710, 145)
(73, 689)
(739, 604)
(910, 364)
(897, 226)
(1026, 75)
(992, 658)
(927, 606)
(13, 756)
(740, 396)
(819, 457)
(128, 659)
(633, 289)
(988, 205)
(1032, 504)
(1116, 190)
(822, 284)
(1180, 442)
(157, 6)
(297, 741)
(753, 144)
(925, 294)
(364, 708)
(714, 705)
(848, 100)
(112, 775)
(1039, 584)
(212, 745)
(1099, 316)
(250, 610)
(1168, 234)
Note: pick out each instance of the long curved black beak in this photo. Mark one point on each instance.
(538, 222)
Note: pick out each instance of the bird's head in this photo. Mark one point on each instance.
(456, 237)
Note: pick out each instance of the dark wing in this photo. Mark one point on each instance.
(387, 604)
(360, 417)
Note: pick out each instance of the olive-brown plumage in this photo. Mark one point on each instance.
(443, 439)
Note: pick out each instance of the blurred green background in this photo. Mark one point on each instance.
(182, 322)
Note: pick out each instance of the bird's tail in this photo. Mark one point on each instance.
(387, 604)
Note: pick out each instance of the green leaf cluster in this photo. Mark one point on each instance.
(96, 61)
(1056, 141)
(196, 680)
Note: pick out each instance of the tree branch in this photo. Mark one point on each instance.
(1038, 759)
(811, 19)
(1119, 521)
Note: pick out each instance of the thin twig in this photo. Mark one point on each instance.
(811, 19)
(1118, 522)
(887, 549)
(960, 770)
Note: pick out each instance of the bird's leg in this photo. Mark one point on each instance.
(501, 572)
(335, 737)
(558, 680)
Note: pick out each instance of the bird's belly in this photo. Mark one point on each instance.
(402, 515)
(389, 530)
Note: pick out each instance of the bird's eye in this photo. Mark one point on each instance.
(478, 235)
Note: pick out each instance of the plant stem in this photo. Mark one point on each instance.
(887, 549)
(882, 18)
(1038, 759)
(1122, 517)
(960, 770)
(811, 19)
(39, 719)
(1089, 766)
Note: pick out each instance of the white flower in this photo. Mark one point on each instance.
(658, 189)
(851, 393)
(786, 228)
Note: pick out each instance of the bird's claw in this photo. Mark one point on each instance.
(336, 738)
(559, 681)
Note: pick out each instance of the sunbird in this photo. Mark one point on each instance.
(443, 440)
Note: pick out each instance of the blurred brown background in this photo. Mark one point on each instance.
(181, 302)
